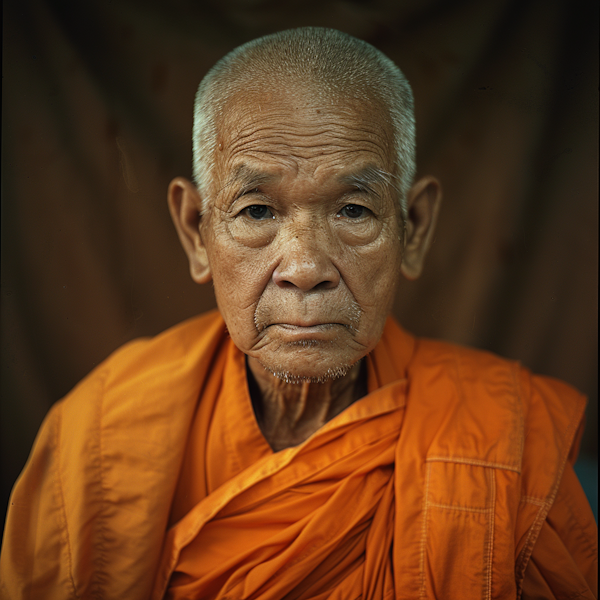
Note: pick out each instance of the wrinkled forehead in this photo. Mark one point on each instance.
(294, 116)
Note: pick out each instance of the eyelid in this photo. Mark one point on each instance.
(366, 198)
(239, 211)
(257, 197)
(358, 200)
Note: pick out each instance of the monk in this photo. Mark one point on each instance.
(298, 443)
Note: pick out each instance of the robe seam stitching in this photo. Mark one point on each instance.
(472, 461)
(492, 513)
(533, 500)
(521, 559)
(424, 532)
(461, 508)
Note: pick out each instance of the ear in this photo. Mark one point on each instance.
(424, 199)
(185, 205)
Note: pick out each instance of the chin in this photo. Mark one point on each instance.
(297, 378)
(307, 366)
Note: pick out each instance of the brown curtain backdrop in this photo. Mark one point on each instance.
(97, 117)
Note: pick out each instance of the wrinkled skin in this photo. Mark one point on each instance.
(305, 252)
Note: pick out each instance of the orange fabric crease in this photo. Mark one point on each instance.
(450, 479)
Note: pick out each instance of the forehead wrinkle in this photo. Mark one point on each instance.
(284, 137)
(289, 151)
(299, 127)
(291, 133)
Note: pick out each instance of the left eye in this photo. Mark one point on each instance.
(258, 212)
(353, 211)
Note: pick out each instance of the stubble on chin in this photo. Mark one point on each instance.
(330, 374)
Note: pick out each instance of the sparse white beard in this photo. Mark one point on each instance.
(329, 375)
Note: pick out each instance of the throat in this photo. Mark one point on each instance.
(289, 413)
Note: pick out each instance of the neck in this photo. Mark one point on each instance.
(289, 413)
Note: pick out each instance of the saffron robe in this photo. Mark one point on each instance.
(451, 479)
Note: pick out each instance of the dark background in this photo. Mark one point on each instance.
(97, 117)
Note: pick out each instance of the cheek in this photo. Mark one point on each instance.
(237, 282)
(236, 301)
(239, 277)
(233, 266)
(374, 277)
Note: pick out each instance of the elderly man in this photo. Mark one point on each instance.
(299, 444)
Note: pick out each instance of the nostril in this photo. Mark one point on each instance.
(324, 285)
(303, 283)
(284, 283)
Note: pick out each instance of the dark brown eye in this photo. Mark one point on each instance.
(258, 212)
(353, 211)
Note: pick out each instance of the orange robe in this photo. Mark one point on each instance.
(451, 479)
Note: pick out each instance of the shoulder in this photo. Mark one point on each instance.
(152, 380)
(139, 401)
(163, 359)
(479, 374)
(489, 406)
(422, 357)
(465, 362)
(191, 339)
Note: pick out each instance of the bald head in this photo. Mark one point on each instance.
(324, 65)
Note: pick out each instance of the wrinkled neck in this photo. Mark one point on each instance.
(289, 413)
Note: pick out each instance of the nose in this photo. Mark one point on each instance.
(306, 262)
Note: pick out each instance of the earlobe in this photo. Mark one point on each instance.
(424, 199)
(185, 204)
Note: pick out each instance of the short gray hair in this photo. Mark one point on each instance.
(338, 64)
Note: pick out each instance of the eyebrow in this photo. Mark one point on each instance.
(368, 179)
(246, 177)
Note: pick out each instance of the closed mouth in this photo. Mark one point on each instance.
(306, 326)
(311, 331)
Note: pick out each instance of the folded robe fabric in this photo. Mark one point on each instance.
(152, 479)
(281, 512)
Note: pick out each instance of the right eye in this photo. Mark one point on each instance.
(353, 211)
(258, 212)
